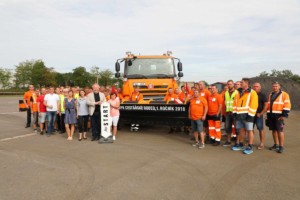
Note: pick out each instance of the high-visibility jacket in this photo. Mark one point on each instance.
(281, 105)
(245, 102)
(229, 100)
(62, 100)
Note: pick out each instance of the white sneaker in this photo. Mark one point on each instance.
(114, 138)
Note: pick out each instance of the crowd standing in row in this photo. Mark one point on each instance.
(61, 110)
(242, 108)
(238, 105)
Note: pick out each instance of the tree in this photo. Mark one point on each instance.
(95, 72)
(107, 78)
(23, 73)
(41, 75)
(263, 74)
(5, 77)
(288, 74)
(81, 77)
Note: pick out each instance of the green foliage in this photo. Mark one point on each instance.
(5, 76)
(81, 77)
(34, 72)
(288, 74)
(37, 73)
(23, 73)
(104, 77)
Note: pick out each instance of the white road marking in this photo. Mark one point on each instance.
(9, 113)
(17, 137)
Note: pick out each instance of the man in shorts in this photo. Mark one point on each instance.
(259, 116)
(42, 110)
(244, 109)
(279, 106)
(197, 113)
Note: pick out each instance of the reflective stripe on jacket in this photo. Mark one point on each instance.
(281, 104)
(246, 102)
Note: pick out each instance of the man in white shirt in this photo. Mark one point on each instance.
(51, 101)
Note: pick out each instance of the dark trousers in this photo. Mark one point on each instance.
(82, 123)
(58, 122)
(96, 125)
(28, 117)
(62, 123)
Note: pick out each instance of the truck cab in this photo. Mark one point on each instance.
(152, 74)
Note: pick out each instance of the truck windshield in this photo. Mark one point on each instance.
(150, 68)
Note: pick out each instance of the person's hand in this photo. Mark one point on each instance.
(203, 118)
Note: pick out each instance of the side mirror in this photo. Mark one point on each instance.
(117, 66)
(179, 66)
(180, 74)
(117, 75)
(129, 62)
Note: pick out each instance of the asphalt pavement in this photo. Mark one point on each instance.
(149, 164)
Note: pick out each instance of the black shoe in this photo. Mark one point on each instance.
(275, 147)
(93, 139)
(79, 139)
(280, 150)
(27, 126)
(98, 138)
(42, 132)
(216, 143)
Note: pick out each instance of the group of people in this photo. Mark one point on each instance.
(238, 105)
(62, 109)
(242, 108)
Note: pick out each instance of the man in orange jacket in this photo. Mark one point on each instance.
(170, 96)
(136, 95)
(279, 106)
(244, 109)
(213, 116)
(26, 101)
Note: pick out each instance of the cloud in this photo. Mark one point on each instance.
(215, 39)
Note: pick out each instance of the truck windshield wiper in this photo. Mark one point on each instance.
(136, 76)
(161, 75)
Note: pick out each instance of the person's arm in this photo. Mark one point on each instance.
(45, 103)
(219, 99)
(205, 109)
(90, 101)
(31, 104)
(38, 106)
(58, 106)
(64, 103)
(24, 100)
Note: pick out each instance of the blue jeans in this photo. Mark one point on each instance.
(51, 115)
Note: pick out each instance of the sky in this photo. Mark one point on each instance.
(215, 40)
